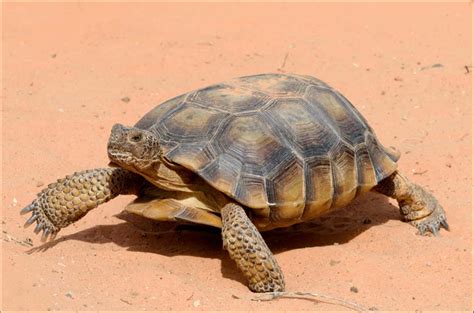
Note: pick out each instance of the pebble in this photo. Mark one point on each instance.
(69, 294)
(196, 303)
(125, 99)
(39, 183)
(354, 289)
(14, 201)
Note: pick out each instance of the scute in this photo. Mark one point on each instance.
(251, 190)
(286, 187)
(251, 142)
(229, 98)
(337, 114)
(274, 84)
(287, 146)
(344, 174)
(160, 112)
(319, 186)
(295, 121)
(192, 124)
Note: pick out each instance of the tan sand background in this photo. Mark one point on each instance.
(68, 70)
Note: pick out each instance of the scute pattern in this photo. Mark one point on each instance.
(289, 147)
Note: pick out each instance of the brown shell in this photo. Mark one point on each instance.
(288, 146)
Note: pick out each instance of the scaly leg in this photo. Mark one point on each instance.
(248, 249)
(70, 198)
(417, 206)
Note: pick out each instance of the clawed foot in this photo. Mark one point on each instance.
(70, 198)
(43, 223)
(431, 223)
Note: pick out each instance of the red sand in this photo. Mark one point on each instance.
(67, 67)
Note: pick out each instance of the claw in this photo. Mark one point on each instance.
(445, 224)
(421, 229)
(434, 230)
(53, 236)
(38, 228)
(27, 209)
(44, 237)
(31, 220)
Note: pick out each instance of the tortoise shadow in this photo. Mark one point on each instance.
(170, 239)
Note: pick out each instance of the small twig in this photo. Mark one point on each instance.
(284, 60)
(463, 136)
(420, 173)
(125, 301)
(190, 297)
(269, 296)
(26, 242)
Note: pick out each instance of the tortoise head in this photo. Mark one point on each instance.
(135, 149)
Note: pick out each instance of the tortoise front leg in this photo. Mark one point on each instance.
(70, 198)
(248, 249)
(417, 206)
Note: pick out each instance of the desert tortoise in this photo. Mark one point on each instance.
(255, 153)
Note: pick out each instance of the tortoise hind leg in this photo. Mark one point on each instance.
(417, 206)
(248, 249)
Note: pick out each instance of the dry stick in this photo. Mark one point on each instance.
(284, 60)
(269, 296)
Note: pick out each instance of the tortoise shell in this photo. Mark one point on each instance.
(287, 146)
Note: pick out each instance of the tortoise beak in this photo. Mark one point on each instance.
(112, 164)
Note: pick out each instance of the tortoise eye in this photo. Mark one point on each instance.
(136, 137)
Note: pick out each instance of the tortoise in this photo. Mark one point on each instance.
(248, 155)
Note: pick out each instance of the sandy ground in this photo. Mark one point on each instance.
(69, 69)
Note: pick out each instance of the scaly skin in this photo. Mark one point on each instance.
(248, 249)
(417, 206)
(70, 198)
